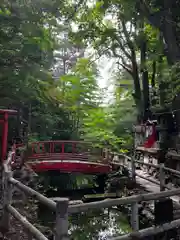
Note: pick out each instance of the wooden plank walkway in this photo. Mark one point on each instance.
(152, 187)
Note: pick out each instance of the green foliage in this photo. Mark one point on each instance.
(70, 107)
(125, 117)
(127, 31)
(79, 88)
(27, 44)
(98, 128)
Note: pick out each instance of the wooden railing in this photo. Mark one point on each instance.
(8, 182)
(64, 150)
(126, 161)
(63, 207)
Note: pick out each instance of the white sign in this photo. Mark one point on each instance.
(149, 131)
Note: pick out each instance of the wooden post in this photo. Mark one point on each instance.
(134, 206)
(61, 226)
(135, 217)
(162, 177)
(7, 198)
(106, 153)
(133, 168)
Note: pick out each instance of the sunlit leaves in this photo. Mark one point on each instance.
(98, 127)
(79, 88)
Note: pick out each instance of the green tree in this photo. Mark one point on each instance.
(27, 46)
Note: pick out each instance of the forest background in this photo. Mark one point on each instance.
(52, 58)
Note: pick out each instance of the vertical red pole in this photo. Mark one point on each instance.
(53, 151)
(32, 149)
(4, 137)
(50, 147)
(37, 148)
(73, 147)
(43, 148)
(62, 151)
(62, 148)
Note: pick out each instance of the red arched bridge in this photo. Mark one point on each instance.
(66, 156)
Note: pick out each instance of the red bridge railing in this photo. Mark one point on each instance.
(64, 150)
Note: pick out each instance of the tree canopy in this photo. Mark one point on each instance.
(48, 77)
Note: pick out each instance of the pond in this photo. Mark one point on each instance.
(94, 225)
(73, 185)
(67, 181)
(98, 225)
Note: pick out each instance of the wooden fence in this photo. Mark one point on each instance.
(125, 160)
(63, 208)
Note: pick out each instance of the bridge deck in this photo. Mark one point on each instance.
(70, 166)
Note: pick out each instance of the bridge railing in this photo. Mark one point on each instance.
(64, 150)
(63, 209)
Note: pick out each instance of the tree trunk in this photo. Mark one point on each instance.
(137, 89)
(167, 23)
(170, 33)
(153, 79)
(145, 80)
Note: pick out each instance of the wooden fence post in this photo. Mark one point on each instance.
(135, 216)
(134, 206)
(133, 168)
(61, 226)
(6, 199)
(161, 176)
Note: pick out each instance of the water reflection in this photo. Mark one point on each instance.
(93, 225)
(99, 224)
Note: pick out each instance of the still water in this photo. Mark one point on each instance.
(92, 225)
(98, 225)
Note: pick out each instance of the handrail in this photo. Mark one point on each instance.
(123, 201)
(31, 192)
(151, 231)
(63, 208)
(162, 171)
(60, 141)
(83, 207)
(34, 231)
(149, 164)
(50, 147)
(8, 182)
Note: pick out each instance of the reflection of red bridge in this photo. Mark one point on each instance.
(67, 156)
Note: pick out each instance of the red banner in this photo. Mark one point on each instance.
(150, 136)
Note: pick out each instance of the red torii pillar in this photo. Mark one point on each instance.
(4, 122)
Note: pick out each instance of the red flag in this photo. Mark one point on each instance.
(151, 136)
